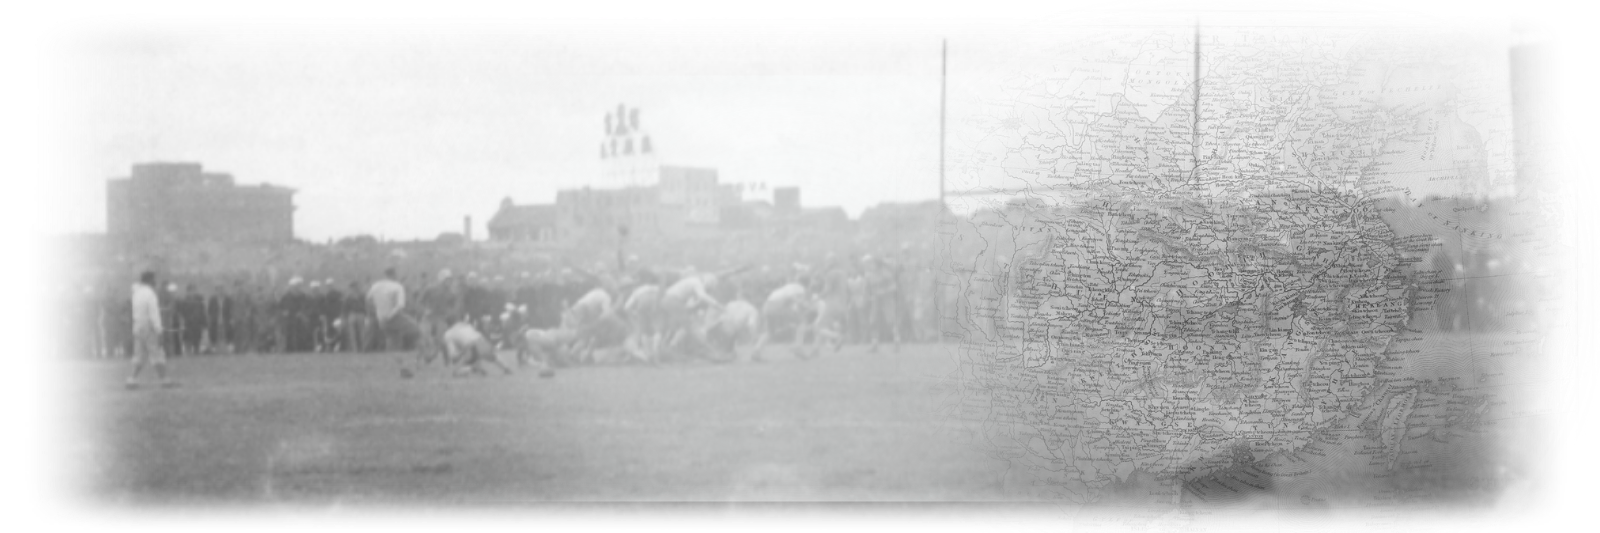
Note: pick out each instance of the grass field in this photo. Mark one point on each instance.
(326, 429)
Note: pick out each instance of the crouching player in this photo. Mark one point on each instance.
(738, 323)
(788, 307)
(831, 312)
(544, 346)
(682, 306)
(463, 343)
(643, 315)
(584, 317)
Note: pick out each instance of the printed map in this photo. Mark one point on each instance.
(1319, 283)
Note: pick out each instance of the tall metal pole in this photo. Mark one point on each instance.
(944, 52)
(938, 289)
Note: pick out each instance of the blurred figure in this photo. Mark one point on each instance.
(213, 319)
(883, 315)
(172, 335)
(789, 308)
(239, 319)
(387, 301)
(584, 318)
(356, 338)
(266, 329)
(442, 300)
(427, 294)
(285, 317)
(858, 316)
(681, 304)
(147, 327)
(471, 348)
(642, 310)
(476, 299)
(737, 323)
(192, 319)
(330, 316)
(242, 318)
(834, 305)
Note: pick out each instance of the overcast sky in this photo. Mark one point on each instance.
(402, 127)
(401, 135)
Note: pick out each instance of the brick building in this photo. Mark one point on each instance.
(588, 213)
(694, 194)
(524, 223)
(181, 201)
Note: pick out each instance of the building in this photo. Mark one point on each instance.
(694, 194)
(637, 197)
(181, 201)
(824, 219)
(786, 200)
(524, 223)
(681, 198)
(605, 214)
(750, 214)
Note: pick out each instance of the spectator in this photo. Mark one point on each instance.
(355, 320)
(192, 313)
(172, 334)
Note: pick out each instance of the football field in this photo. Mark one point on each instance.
(324, 429)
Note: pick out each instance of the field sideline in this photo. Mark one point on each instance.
(344, 428)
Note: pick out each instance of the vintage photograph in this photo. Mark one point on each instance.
(1151, 269)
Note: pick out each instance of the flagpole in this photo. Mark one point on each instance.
(944, 52)
(938, 290)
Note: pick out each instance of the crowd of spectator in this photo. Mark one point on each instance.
(311, 297)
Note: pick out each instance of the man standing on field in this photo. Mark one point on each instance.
(387, 298)
(147, 332)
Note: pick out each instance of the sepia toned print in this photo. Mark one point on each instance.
(1144, 269)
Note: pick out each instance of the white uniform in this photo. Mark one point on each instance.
(642, 304)
(738, 323)
(464, 343)
(788, 299)
(463, 338)
(679, 304)
(643, 310)
(590, 308)
(545, 345)
(147, 326)
(787, 306)
(687, 294)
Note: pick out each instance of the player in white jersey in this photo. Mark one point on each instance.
(463, 343)
(586, 318)
(642, 310)
(545, 346)
(789, 306)
(738, 323)
(682, 303)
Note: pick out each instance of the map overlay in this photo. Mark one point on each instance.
(1238, 266)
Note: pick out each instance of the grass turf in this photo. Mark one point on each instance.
(327, 437)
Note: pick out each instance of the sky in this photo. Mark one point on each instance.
(400, 129)
(402, 134)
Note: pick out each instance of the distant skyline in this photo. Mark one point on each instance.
(402, 136)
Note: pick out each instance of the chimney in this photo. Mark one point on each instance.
(466, 228)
